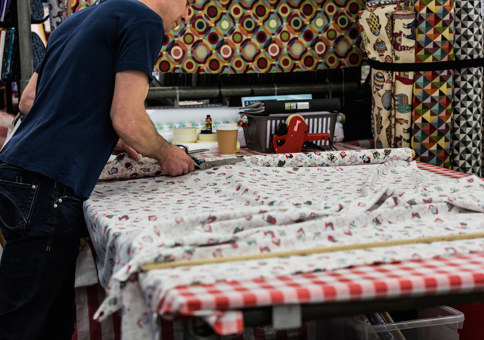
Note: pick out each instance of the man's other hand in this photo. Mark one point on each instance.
(123, 147)
(176, 162)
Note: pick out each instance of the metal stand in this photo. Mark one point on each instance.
(262, 316)
(204, 92)
(25, 44)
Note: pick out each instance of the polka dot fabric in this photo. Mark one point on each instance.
(264, 37)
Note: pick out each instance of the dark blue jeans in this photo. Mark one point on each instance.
(41, 221)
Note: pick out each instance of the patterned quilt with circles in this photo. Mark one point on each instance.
(264, 36)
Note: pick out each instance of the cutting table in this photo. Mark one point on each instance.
(229, 306)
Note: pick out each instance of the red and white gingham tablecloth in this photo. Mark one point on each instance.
(457, 274)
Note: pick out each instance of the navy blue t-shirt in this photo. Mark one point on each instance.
(68, 134)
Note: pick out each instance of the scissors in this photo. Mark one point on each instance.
(201, 164)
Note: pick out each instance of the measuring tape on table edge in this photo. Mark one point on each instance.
(302, 252)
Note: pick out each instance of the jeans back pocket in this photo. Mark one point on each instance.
(16, 203)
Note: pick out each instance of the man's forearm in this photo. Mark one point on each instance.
(28, 96)
(26, 104)
(142, 136)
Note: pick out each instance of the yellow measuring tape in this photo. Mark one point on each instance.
(184, 263)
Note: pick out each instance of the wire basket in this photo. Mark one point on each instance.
(258, 134)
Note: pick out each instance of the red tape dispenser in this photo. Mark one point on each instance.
(297, 135)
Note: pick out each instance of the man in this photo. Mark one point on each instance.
(86, 97)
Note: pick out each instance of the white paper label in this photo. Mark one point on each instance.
(305, 105)
(286, 316)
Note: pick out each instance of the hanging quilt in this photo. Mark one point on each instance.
(467, 136)
(433, 90)
(264, 36)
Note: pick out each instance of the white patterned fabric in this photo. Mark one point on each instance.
(123, 167)
(260, 207)
(57, 13)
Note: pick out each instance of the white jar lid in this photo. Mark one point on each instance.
(227, 127)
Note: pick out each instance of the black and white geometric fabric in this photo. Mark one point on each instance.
(467, 109)
(468, 29)
(467, 138)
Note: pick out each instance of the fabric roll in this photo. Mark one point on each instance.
(433, 90)
(467, 139)
(123, 167)
(375, 25)
(404, 52)
(57, 11)
(38, 50)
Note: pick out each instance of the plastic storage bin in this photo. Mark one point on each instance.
(434, 323)
(258, 135)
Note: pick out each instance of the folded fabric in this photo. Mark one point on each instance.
(38, 49)
(36, 10)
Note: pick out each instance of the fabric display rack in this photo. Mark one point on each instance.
(137, 217)
(442, 118)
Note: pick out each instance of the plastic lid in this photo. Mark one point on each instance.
(227, 127)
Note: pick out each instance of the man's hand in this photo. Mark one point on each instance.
(123, 147)
(176, 162)
(134, 127)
